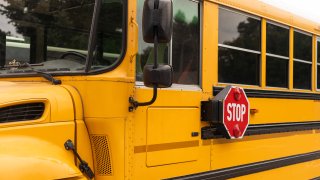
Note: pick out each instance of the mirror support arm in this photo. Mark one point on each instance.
(135, 104)
(156, 43)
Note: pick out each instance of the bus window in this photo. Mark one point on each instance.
(318, 63)
(55, 35)
(239, 48)
(13, 43)
(277, 56)
(302, 60)
(183, 53)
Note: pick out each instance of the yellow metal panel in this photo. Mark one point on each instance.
(134, 38)
(227, 153)
(210, 46)
(308, 170)
(77, 102)
(314, 63)
(37, 152)
(291, 49)
(263, 53)
(181, 97)
(103, 98)
(169, 137)
(166, 125)
(283, 110)
(173, 170)
(169, 99)
(57, 98)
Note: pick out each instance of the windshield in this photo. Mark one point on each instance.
(53, 35)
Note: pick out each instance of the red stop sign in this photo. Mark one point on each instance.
(235, 111)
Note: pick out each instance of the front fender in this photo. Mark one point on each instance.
(24, 157)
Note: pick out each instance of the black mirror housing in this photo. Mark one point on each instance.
(157, 14)
(162, 76)
(156, 28)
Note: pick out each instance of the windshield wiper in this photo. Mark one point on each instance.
(45, 75)
(48, 77)
(93, 35)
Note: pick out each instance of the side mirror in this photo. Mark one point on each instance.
(161, 76)
(156, 28)
(157, 20)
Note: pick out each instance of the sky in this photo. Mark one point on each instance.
(309, 9)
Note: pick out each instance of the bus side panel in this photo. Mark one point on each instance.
(164, 145)
(251, 149)
(283, 110)
(168, 135)
(308, 170)
(105, 104)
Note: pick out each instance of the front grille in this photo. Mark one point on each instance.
(21, 112)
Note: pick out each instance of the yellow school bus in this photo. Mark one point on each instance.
(128, 89)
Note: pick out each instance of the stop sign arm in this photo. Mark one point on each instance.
(210, 110)
(228, 112)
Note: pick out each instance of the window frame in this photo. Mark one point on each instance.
(239, 12)
(301, 60)
(317, 63)
(200, 2)
(239, 48)
(278, 56)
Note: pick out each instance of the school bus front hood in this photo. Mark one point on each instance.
(57, 100)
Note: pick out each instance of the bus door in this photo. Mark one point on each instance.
(168, 131)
